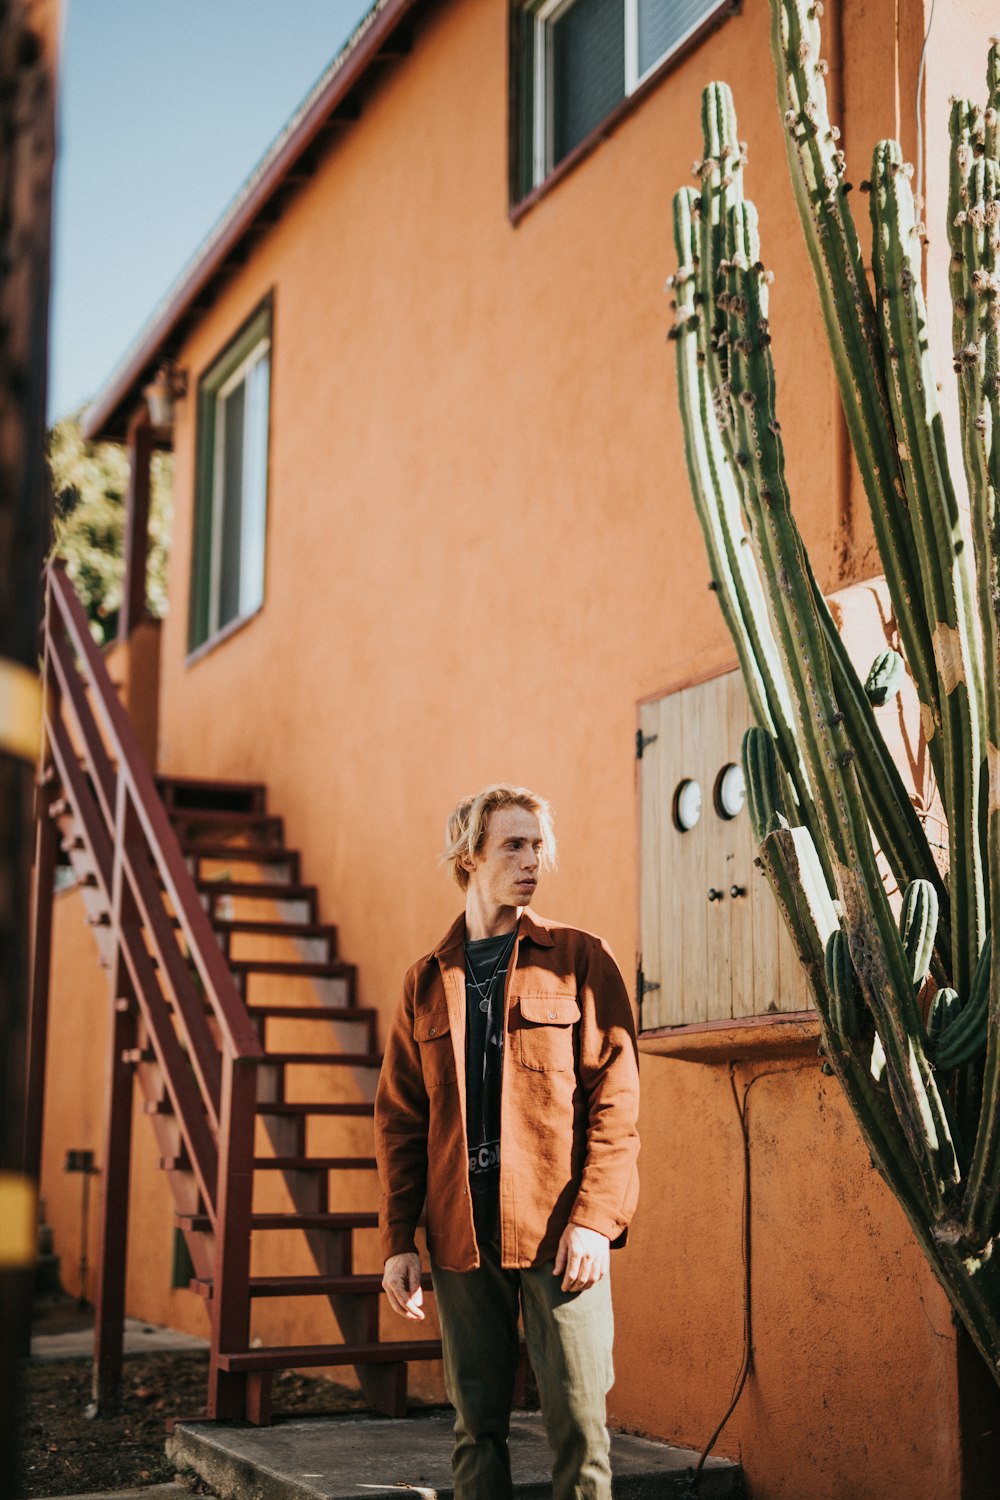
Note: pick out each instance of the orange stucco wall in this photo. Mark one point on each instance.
(481, 554)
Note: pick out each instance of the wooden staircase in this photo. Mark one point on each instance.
(238, 1022)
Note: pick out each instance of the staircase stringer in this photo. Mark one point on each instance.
(119, 837)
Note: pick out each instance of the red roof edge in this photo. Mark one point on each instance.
(107, 417)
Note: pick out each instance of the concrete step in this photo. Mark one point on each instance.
(352, 1458)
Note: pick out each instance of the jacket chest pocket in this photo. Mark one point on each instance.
(432, 1033)
(546, 1035)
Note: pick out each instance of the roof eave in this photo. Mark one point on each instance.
(107, 417)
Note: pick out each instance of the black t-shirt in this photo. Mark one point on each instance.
(486, 963)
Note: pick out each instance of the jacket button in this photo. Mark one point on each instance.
(552, 1015)
(433, 1031)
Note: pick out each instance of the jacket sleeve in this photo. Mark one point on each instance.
(609, 1075)
(401, 1119)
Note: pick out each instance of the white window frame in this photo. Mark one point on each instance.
(260, 350)
(545, 17)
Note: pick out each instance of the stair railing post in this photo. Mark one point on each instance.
(42, 900)
(231, 1394)
(109, 1310)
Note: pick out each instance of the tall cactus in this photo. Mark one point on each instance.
(909, 1006)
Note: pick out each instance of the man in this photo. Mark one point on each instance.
(506, 1112)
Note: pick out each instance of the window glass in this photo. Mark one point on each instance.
(231, 500)
(662, 25)
(574, 61)
(254, 486)
(588, 69)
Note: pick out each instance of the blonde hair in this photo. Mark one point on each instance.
(467, 826)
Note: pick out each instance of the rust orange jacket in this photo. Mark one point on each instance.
(569, 1100)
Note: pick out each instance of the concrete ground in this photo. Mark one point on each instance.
(148, 1492)
(140, 1338)
(357, 1458)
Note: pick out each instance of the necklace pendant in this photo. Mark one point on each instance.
(484, 1005)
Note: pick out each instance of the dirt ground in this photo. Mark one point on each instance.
(65, 1453)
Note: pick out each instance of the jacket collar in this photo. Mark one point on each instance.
(533, 927)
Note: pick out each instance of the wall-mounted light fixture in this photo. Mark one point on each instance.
(167, 386)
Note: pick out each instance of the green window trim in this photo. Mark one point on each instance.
(577, 66)
(231, 484)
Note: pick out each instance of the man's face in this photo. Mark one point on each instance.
(505, 871)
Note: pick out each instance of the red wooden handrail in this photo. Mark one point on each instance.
(238, 1033)
(211, 1082)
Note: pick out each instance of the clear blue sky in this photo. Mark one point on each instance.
(165, 108)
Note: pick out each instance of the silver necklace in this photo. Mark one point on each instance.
(484, 988)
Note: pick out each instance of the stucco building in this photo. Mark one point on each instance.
(432, 529)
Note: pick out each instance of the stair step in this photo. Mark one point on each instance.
(310, 1286)
(314, 1012)
(273, 1107)
(202, 1222)
(258, 890)
(333, 968)
(256, 854)
(326, 1059)
(314, 1163)
(222, 817)
(314, 1356)
(209, 784)
(277, 929)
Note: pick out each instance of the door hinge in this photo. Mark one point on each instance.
(643, 987)
(641, 741)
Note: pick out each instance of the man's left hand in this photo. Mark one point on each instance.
(584, 1256)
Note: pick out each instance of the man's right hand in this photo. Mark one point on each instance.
(401, 1280)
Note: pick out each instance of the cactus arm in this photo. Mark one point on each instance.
(820, 189)
(898, 831)
(992, 119)
(964, 124)
(716, 495)
(941, 545)
(871, 930)
(982, 240)
(779, 855)
(717, 504)
(965, 1037)
(897, 828)
(721, 172)
(918, 919)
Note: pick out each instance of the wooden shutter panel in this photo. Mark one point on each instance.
(711, 960)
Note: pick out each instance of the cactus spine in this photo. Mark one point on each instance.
(821, 783)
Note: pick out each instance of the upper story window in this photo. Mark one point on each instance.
(231, 496)
(577, 61)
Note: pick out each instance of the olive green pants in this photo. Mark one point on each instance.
(569, 1337)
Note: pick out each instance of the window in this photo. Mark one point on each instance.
(231, 499)
(576, 61)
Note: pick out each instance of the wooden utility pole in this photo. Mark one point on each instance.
(28, 32)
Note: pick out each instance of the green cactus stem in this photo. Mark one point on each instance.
(885, 678)
(991, 139)
(820, 187)
(942, 547)
(926, 1095)
(875, 944)
(717, 503)
(897, 828)
(918, 920)
(963, 1037)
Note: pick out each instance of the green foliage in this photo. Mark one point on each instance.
(90, 481)
(926, 1094)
